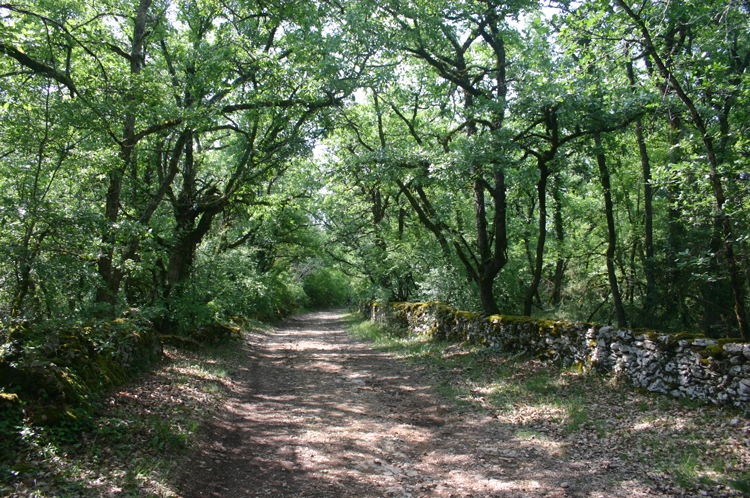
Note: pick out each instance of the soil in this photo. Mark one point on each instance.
(316, 413)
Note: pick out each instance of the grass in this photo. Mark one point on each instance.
(687, 443)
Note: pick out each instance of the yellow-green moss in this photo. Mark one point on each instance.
(465, 314)
(731, 340)
(715, 351)
(686, 336)
(54, 415)
(9, 398)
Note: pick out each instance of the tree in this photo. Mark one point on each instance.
(224, 78)
(720, 94)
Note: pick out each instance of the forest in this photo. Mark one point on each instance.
(173, 171)
(214, 158)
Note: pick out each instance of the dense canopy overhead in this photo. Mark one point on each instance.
(209, 158)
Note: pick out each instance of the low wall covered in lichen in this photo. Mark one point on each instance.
(680, 365)
(56, 372)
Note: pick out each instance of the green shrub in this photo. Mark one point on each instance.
(326, 288)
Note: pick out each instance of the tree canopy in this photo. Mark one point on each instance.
(204, 159)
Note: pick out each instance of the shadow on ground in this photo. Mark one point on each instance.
(317, 413)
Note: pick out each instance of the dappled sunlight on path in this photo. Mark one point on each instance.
(317, 413)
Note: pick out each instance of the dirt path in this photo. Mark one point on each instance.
(317, 413)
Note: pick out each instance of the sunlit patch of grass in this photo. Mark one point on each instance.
(540, 383)
(577, 415)
(396, 342)
(365, 330)
(211, 388)
(141, 473)
(258, 327)
(686, 472)
(526, 435)
(204, 371)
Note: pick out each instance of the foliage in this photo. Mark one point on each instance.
(229, 284)
(204, 160)
(326, 288)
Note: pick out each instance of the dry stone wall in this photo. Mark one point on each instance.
(680, 365)
(59, 378)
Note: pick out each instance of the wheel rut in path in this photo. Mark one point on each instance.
(315, 412)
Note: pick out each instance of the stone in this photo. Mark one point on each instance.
(705, 342)
(626, 335)
(734, 348)
(656, 362)
(658, 386)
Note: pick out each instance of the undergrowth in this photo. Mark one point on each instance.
(135, 440)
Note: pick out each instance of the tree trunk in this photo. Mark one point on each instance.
(182, 252)
(612, 234)
(487, 295)
(491, 264)
(541, 188)
(30, 254)
(492, 255)
(560, 238)
(648, 211)
(106, 294)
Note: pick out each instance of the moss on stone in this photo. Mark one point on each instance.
(215, 333)
(731, 340)
(715, 351)
(181, 342)
(57, 380)
(537, 337)
(468, 315)
(55, 415)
